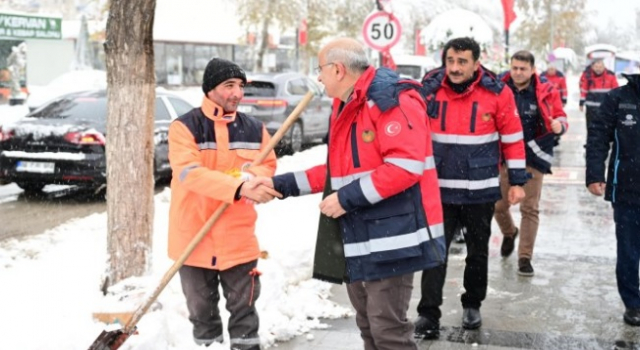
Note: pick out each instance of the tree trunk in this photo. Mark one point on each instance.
(264, 44)
(130, 128)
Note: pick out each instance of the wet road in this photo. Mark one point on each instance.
(23, 215)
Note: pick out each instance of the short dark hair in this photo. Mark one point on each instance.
(462, 44)
(524, 56)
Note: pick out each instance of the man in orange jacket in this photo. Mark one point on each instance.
(210, 150)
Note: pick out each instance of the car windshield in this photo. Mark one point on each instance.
(260, 89)
(86, 108)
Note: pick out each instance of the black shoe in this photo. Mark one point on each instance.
(508, 243)
(632, 317)
(524, 267)
(471, 318)
(426, 328)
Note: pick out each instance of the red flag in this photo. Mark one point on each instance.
(302, 32)
(509, 15)
(387, 60)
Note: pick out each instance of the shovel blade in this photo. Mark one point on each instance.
(111, 340)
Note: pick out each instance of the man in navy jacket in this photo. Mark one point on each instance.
(616, 128)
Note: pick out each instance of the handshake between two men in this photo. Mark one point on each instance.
(260, 189)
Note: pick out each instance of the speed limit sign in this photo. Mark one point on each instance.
(381, 30)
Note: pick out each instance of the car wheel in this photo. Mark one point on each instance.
(31, 187)
(295, 138)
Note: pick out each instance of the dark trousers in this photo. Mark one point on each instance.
(240, 288)
(627, 218)
(589, 114)
(477, 219)
(381, 312)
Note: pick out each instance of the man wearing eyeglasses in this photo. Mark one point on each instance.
(380, 190)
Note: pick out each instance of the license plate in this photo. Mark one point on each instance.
(36, 167)
(245, 109)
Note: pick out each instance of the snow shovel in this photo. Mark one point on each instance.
(112, 340)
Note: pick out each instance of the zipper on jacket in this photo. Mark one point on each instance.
(444, 115)
(354, 146)
(615, 169)
(474, 111)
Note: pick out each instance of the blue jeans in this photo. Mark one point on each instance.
(627, 218)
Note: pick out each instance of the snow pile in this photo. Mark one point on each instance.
(51, 282)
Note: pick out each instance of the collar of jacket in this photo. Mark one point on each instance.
(362, 85)
(214, 112)
(435, 79)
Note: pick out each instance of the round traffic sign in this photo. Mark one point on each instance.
(381, 30)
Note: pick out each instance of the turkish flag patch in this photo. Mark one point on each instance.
(392, 128)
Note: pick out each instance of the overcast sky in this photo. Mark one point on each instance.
(621, 11)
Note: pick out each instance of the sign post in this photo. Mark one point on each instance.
(381, 30)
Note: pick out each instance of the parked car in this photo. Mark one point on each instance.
(63, 142)
(72, 81)
(271, 97)
(413, 67)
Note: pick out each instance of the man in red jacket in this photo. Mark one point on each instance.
(474, 123)
(555, 77)
(542, 117)
(595, 82)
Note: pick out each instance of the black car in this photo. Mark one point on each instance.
(271, 97)
(63, 141)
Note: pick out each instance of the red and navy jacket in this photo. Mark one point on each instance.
(559, 82)
(470, 132)
(539, 148)
(381, 164)
(594, 87)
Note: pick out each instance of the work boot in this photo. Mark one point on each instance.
(471, 318)
(524, 267)
(508, 243)
(632, 317)
(426, 328)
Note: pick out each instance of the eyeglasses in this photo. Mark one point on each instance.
(318, 69)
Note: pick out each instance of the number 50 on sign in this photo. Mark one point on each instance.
(381, 30)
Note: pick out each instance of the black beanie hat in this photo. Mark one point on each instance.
(218, 70)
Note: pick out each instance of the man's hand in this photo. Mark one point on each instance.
(331, 207)
(259, 190)
(556, 127)
(597, 188)
(516, 194)
(260, 180)
(581, 108)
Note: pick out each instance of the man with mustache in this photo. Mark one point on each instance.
(210, 150)
(474, 121)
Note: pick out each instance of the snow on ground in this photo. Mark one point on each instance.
(50, 282)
